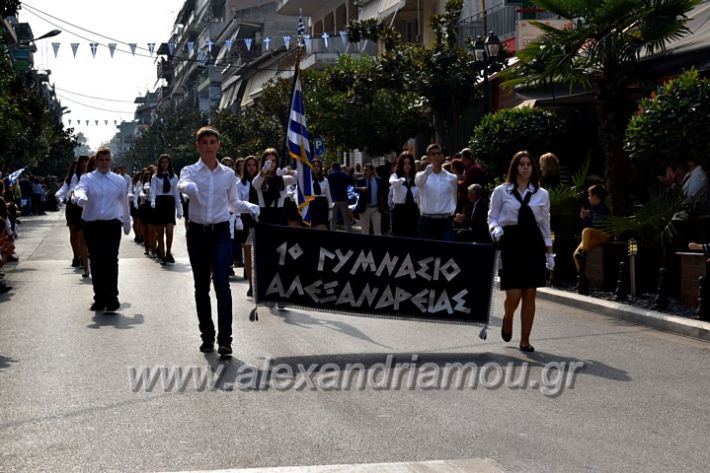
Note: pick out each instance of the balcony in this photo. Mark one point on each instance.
(165, 70)
(312, 8)
(319, 55)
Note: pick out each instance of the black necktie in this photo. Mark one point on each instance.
(166, 183)
(316, 187)
(409, 199)
(526, 218)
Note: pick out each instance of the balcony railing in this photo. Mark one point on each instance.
(502, 19)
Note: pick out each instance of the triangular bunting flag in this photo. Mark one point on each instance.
(267, 42)
(133, 47)
(325, 37)
(94, 47)
(228, 43)
(87, 122)
(151, 48)
(248, 42)
(190, 47)
(74, 47)
(344, 37)
(105, 122)
(308, 39)
(97, 122)
(55, 47)
(171, 47)
(115, 122)
(287, 41)
(69, 121)
(111, 48)
(209, 44)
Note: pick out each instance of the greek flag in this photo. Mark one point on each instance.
(299, 148)
(12, 178)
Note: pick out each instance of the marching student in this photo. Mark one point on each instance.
(248, 193)
(103, 196)
(405, 197)
(212, 190)
(147, 213)
(321, 206)
(271, 185)
(237, 253)
(165, 200)
(519, 219)
(73, 214)
(134, 195)
(437, 197)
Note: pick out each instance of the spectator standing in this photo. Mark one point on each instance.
(405, 197)
(474, 226)
(549, 171)
(338, 182)
(372, 202)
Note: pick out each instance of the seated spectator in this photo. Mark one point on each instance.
(592, 237)
(695, 182)
(474, 226)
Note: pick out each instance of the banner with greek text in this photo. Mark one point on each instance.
(373, 275)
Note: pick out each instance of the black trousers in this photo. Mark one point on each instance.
(103, 237)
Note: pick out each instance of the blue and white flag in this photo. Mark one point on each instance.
(301, 24)
(13, 177)
(299, 148)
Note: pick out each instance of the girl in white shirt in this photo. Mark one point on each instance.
(73, 214)
(134, 195)
(147, 213)
(271, 185)
(519, 219)
(165, 199)
(320, 207)
(405, 197)
(247, 193)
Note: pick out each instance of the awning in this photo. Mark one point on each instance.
(389, 7)
(255, 86)
(230, 91)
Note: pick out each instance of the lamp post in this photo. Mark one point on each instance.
(486, 54)
(633, 251)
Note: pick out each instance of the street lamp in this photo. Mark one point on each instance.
(486, 56)
(633, 251)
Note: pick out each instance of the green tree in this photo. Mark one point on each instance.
(500, 135)
(672, 125)
(602, 53)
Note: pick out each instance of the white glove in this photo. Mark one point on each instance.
(179, 214)
(267, 165)
(282, 172)
(127, 226)
(152, 205)
(497, 233)
(238, 224)
(254, 210)
(429, 169)
(550, 265)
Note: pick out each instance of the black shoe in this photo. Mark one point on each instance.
(169, 258)
(225, 350)
(250, 292)
(163, 262)
(75, 263)
(4, 288)
(207, 347)
(96, 306)
(527, 348)
(146, 253)
(113, 306)
(85, 275)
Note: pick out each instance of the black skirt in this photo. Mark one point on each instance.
(319, 211)
(522, 258)
(273, 215)
(73, 216)
(146, 213)
(164, 210)
(405, 220)
(291, 210)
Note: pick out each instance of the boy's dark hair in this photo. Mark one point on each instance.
(599, 190)
(207, 131)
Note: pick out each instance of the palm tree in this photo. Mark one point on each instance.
(602, 53)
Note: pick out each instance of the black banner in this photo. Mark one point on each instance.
(373, 275)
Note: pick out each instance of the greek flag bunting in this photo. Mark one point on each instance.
(12, 178)
(299, 148)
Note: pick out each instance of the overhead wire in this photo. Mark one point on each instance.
(93, 106)
(103, 99)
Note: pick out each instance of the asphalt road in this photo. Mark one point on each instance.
(67, 402)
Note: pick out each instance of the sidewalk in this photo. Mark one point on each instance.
(628, 313)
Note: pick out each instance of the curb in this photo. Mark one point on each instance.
(635, 315)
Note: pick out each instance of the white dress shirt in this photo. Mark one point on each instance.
(437, 192)
(103, 196)
(156, 189)
(504, 208)
(137, 191)
(213, 193)
(64, 192)
(399, 190)
(695, 185)
(259, 180)
(325, 192)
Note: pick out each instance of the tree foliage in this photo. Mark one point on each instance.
(672, 125)
(602, 53)
(500, 135)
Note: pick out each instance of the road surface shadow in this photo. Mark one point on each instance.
(6, 362)
(115, 319)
